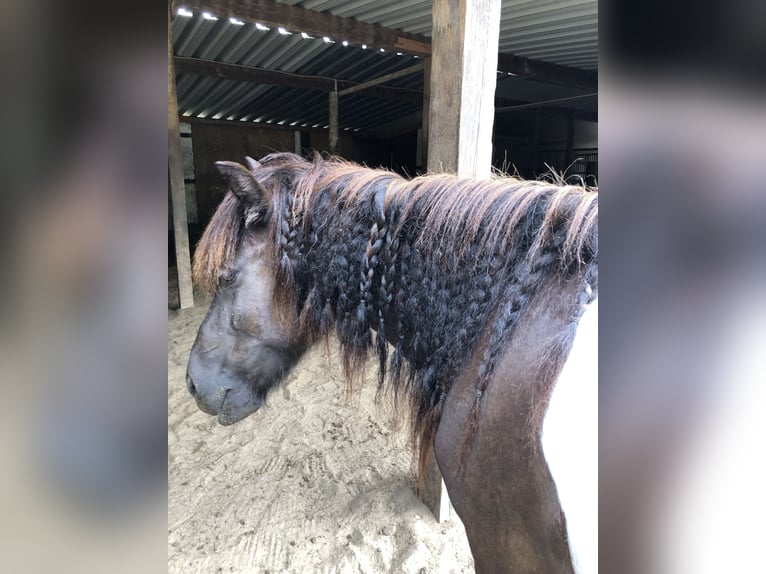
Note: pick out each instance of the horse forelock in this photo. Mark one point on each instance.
(217, 248)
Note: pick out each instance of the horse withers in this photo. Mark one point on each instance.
(467, 292)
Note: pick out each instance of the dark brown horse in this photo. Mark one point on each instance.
(468, 292)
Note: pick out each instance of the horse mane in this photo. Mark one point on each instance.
(359, 249)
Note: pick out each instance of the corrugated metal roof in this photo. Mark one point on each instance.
(557, 31)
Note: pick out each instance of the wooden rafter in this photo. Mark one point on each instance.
(276, 78)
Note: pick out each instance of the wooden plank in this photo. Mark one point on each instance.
(382, 79)
(547, 72)
(255, 75)
(412, 46)
(461, 84)
(177, 189)
(333, 121)
(319, 24)
(434, 492)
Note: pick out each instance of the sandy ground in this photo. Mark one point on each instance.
(313, 482)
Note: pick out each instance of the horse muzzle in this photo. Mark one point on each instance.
(208, 402)
(229, 405)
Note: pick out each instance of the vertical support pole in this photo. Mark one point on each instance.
(426, 112)
(177, 190)
(297, 142)
(464, 48)
(334, 119)
(461, 84)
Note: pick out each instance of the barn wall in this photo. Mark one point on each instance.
(515, 147)
(586, 134)
(216, 141)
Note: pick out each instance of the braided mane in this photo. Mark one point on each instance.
(440, 267)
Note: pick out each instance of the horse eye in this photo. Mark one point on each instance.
(226, 278)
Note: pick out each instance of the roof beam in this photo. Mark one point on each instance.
(506, 105)
(297, 19)
(546, 71)
(276, 78)
(382, 79)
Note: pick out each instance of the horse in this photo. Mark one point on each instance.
(468, 294)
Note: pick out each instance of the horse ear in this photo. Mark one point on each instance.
(252, 163)
(244, 185)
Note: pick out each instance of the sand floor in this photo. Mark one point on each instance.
(313, 482)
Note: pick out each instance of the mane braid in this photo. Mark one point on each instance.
(442, 268)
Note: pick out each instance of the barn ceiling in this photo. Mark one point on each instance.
(562, 32)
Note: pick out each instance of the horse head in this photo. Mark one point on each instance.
(244, 347)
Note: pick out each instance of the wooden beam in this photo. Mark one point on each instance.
(434, 492)
(462, 84)
(463, 80)
(382, 79)
(276, 78)
(298, 19)
(547, 72)
(177, 189)
(543, 103)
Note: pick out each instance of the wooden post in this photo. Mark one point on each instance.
(297, 141)
(426, 112)
(461, 82)
(177, 190)
(463, 77)
(334, 120)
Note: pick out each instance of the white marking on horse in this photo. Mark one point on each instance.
(570, 442)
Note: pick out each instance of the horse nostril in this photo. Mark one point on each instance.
(190, 386)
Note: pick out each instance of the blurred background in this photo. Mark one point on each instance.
(683, 261)
(83, 339)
